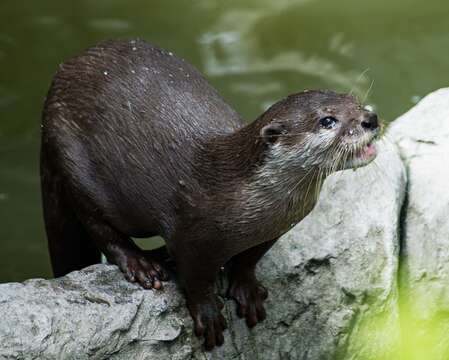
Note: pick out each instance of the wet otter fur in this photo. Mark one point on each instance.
(136, 143)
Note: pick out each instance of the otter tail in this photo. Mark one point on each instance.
(69, 244)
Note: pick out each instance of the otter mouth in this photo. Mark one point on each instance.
(364, 155)
(367, 152)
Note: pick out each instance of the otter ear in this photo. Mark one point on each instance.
(270, 133)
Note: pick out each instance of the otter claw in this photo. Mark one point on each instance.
(249, 296)
(143, 270)
(209, 322)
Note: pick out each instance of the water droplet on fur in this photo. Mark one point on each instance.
(133, 71)
(105, 72)
(134, 48)
(170, 53)
(182, 183)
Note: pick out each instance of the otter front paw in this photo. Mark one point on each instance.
(249, 295)
(141, 269)
(208, 321)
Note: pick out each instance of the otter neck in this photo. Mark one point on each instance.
(261, 198)
(243, 158)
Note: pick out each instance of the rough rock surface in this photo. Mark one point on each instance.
(332, 279)
(422, 135)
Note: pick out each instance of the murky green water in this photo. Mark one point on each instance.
(253, 51)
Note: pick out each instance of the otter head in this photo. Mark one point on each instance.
(320, 129)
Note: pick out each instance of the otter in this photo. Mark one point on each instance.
(136, 143)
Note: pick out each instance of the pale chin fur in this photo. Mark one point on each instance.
(359, 161)
(317, 147)
(365, 152)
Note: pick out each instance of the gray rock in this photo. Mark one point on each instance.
(332, 281)
(91, 313)
(422, 135)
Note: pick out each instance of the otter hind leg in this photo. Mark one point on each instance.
(70, 246)
(137, 265)
(76, 237)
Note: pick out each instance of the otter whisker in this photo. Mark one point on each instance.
(286, 135)
(319, 182)
(305, 198)
(368, 91)
(345, 156)
(358, 79)
(302, 179)
(334, 162)
(342, 156)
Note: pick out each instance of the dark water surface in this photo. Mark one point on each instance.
(254, 52)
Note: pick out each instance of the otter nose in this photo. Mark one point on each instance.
(370, 122)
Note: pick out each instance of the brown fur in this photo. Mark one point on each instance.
(136, 143)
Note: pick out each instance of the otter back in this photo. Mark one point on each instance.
(120, 111)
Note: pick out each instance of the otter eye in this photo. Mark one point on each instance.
(328, 122)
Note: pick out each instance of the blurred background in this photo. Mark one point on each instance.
(388, 53)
